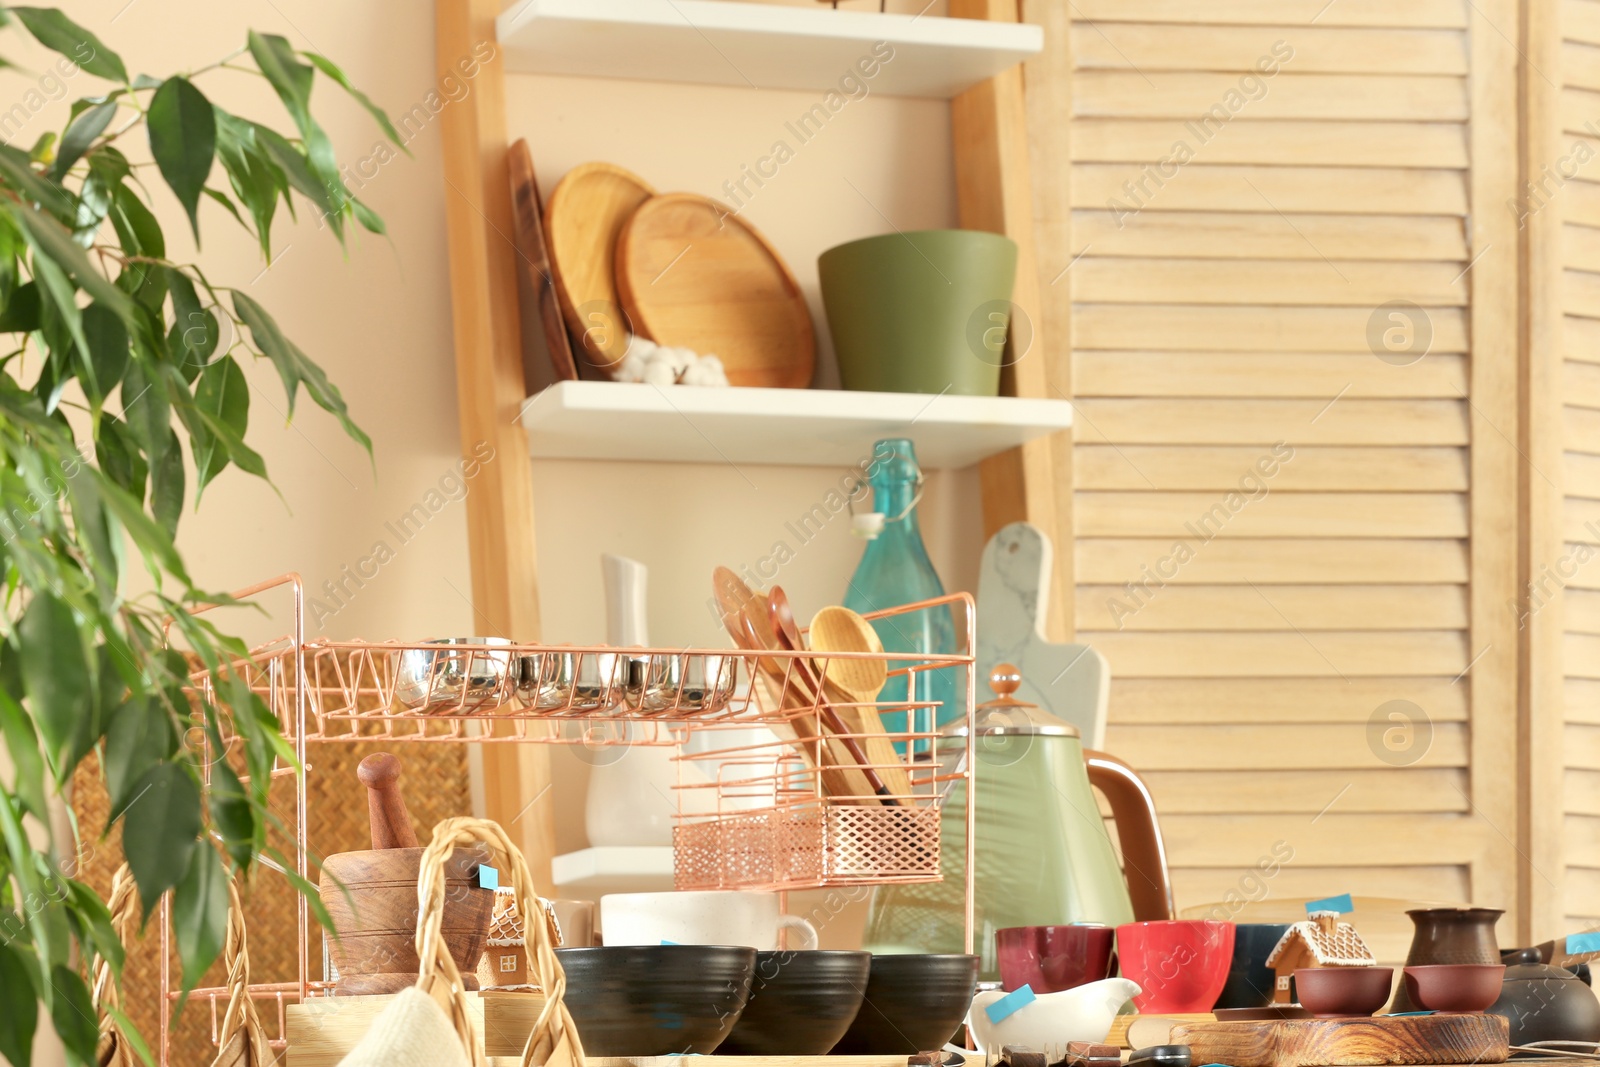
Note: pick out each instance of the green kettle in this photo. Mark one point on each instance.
(1043, 854)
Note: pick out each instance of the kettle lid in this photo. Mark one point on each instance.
(1525, 964)
(1006, 716)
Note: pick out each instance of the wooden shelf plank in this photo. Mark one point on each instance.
(593, 872)
(796, 427)
(718, 42)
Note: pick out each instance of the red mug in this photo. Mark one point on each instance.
(1180, 965)
(1053, 958)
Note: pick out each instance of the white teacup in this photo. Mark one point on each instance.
(710, 918)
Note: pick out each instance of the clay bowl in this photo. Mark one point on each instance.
(1331, 992)
(1454, 986)
(801, 1003)
(913, 1002)
(656, 1000)
(372, 898)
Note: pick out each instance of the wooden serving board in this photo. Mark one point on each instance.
(586, 212)
(1361, 1042)
(690, 274)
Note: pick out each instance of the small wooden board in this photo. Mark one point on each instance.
(586, 212)
(533, 262)
(1369, 1042)
(692, 274)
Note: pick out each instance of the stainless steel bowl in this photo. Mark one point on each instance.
(580, 683)
(686, 684)
(454, 674)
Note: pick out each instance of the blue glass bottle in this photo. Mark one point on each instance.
(895, 570)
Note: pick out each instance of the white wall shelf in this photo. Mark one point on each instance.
(765, 46)
(593, 872)
(794, 427)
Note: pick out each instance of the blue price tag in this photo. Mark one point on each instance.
(1589, 942)
(664, 941)
(1341, 904)
(1010, 1004)
(488, 877)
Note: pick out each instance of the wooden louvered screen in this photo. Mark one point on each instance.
(1562, 599)
(1279, 527)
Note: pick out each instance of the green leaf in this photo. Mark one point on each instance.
(147, 410)
(369, 219)
(72, 1012)
(200, 914)
(167, 485)
(61, 320)
(80, 134)
(183, 140)
(297, 169)
(19, 1011)
(328, 67)
(255, 179)
(224, 397)
(108, 347)
(232, 815)
(23, 745)
(159, 827)
(138, 232)
(118, 455)
(60, 34)
(295, 367)
(140, 737)
(55, 671)
(93, 918)
(21, 312)
(47, 235)
(34, 186)
(195, 333)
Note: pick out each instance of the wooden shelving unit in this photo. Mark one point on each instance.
(765, 46)
(970, 58)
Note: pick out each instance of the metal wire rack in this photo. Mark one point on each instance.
(771, 793)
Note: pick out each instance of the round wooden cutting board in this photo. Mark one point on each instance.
(691, 274)
(585, 214)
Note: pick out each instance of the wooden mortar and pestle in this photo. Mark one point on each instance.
(372, 896)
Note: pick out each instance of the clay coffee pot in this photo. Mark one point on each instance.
(371, 896)
(1449, 935)
(1546, 1003)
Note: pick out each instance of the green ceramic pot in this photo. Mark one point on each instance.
(920, 312)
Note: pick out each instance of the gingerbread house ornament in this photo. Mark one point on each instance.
(1321, 940)
(505, 959)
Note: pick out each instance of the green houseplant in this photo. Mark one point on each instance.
(113, 359)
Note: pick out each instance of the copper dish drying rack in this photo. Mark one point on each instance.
(765, 799)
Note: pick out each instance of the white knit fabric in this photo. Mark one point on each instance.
(413, 1031)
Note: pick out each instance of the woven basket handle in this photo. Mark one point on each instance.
(554, 1041)
(112, 1049)
(241, 1040)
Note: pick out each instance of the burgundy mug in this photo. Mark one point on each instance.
(1053, 958)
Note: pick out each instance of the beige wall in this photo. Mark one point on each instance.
(378, 319)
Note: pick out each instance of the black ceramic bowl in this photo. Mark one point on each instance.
(656, 1000)
(913, 1003)
(801, 1003)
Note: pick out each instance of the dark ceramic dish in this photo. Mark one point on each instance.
(656, 1000)
(912, 1002)
(1251, 983)
(1454, 986)
(801, 1003)
(1331, 992)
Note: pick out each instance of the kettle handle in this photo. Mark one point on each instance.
(1144, 855)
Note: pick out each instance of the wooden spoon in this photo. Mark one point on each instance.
(789, 633)
(836, 629)
(858, 682)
